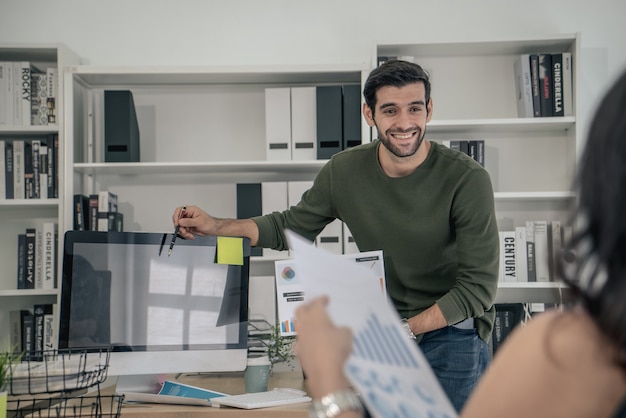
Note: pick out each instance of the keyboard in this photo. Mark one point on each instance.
(270, 398)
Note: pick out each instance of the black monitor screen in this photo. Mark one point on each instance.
(118, 290)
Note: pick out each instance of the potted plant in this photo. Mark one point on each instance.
(7, 360)
(280, 347)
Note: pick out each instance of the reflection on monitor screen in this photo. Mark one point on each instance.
(162, 314)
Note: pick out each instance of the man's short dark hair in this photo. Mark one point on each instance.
(394, 73)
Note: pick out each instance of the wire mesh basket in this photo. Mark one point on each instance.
(59, 371)
(65, 406)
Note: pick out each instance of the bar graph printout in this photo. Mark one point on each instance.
(385, 366)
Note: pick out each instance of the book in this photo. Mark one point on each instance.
(455, 145)
(521, 260)
(21, 72)
(18, 169)
(8, 169)
(507, 256)
(170, 388)
(116, 221)
(542, 255)
(471, 150)
(51, 77)
(530, 251)
(38, 97)
(9, 88)
(39, 244)
(534, 78)
(81, 212)
(21, 261)
(545, 84)
(35, 190)
(50, 334)
(3, 191)
(568, 92)
(93, 212)
(53, 157)
(557, 85)
(523, 86)
(3, 92)
(28, 334)
(16, 319)
(28, 169)
(556, 242)
(49, 254)
(107, 205)
(39, 313)
(43, 171)
(480, 152)
(29, 265)
(508, 316)
(25, 92)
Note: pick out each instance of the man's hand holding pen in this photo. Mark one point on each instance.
(195, 221)
(191, 220)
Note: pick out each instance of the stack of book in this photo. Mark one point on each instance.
(97, 212)
(543, 85)
(29, 94)
(530, 252)
(32, 330)
(475, 148)
(29, 168)
(37, 253)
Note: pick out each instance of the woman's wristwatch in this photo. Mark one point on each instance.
(335, 403)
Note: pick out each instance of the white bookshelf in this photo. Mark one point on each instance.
(532, 161)
(18, 214)
(202, 131)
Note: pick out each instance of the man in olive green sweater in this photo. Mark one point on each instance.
(429, 208)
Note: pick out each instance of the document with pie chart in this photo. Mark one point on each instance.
(290, 293)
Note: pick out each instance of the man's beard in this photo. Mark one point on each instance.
(402, 152)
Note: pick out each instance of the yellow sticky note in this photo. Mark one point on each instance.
(230, 250)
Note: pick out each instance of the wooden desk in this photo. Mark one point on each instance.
(228, 384)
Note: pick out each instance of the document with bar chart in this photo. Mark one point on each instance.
(290, 293)
(386, 367)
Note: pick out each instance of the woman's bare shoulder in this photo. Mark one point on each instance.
(558, 364)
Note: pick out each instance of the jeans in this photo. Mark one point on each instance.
(458, 358)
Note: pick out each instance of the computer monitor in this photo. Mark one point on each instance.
(179, 313)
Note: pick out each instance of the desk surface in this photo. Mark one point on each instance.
(228, 384)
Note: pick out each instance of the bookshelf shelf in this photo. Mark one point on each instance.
(27, 293)
(19, 214)
(235, 170)
(28, 130)
(26, 203)
(548, 292)
(502, 125)
(534, 196)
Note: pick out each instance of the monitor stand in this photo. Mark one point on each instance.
(144, 383)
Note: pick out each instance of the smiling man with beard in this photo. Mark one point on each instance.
(429, 208)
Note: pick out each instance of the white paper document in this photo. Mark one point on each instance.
(290, 292)
(385, 366)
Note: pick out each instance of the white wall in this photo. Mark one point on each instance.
(250, 32)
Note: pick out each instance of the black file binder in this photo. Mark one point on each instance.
(351, 115)
(249, 204)
(329, 121)
(121, 131)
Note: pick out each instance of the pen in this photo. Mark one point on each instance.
(180, 215)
